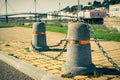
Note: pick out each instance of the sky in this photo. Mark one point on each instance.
(42, 6)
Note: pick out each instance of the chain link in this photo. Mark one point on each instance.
(56, 57)
(103, 51)
(58, 44)
(62, 50)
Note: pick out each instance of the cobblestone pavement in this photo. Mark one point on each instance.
(19, 48)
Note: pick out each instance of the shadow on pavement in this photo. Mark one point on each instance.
(56, 49)
(103, 71)
(108, 71)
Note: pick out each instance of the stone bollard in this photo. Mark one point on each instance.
(78, 50)
(38, 42)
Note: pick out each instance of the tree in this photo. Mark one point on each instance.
(97, 4)
(114, 1)
(89, 3)
(90, 6)
(106, 3)
(73, 8)
(67, 8)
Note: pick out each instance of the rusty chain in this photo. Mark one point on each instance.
(65, 45)
(102, 50)
(58, 44)
(56, 57)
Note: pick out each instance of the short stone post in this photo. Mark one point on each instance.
(39, 37)
(78, 50)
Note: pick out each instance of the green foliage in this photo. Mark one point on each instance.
(114, 1)
(102, 32)
(68, 75)
(59, 68)
(13, 55)
(107, 36)
(7, 45)
(56, 27)
(27, 50)
(14, 25)
(6, 25)
(95, 74)
(35, 65)
(97, 4)
(58, 24)
(71, 9)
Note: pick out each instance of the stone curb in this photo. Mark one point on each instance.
(27, 69)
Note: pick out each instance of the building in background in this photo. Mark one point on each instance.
(94, 13)
(112, 21)
(114, 10)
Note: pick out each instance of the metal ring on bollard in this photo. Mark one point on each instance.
(39, 33)
(79, 42)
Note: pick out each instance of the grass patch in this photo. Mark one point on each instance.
(58, 24)
(107, 36)
(95, 74)
(15, 25)
(8, 25)
(59, 68)
(68, 75)
(46, 67)
(7, 45)
(35, 65)
(57, 29)
(13, 55)
(27, 49)
(102, 32)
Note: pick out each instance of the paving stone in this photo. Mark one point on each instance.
(115, 79)
(80, 77)
(45, 65)
(68, 79)
(54, 71)
(53, 67)
(60, 63)
(100, 78)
